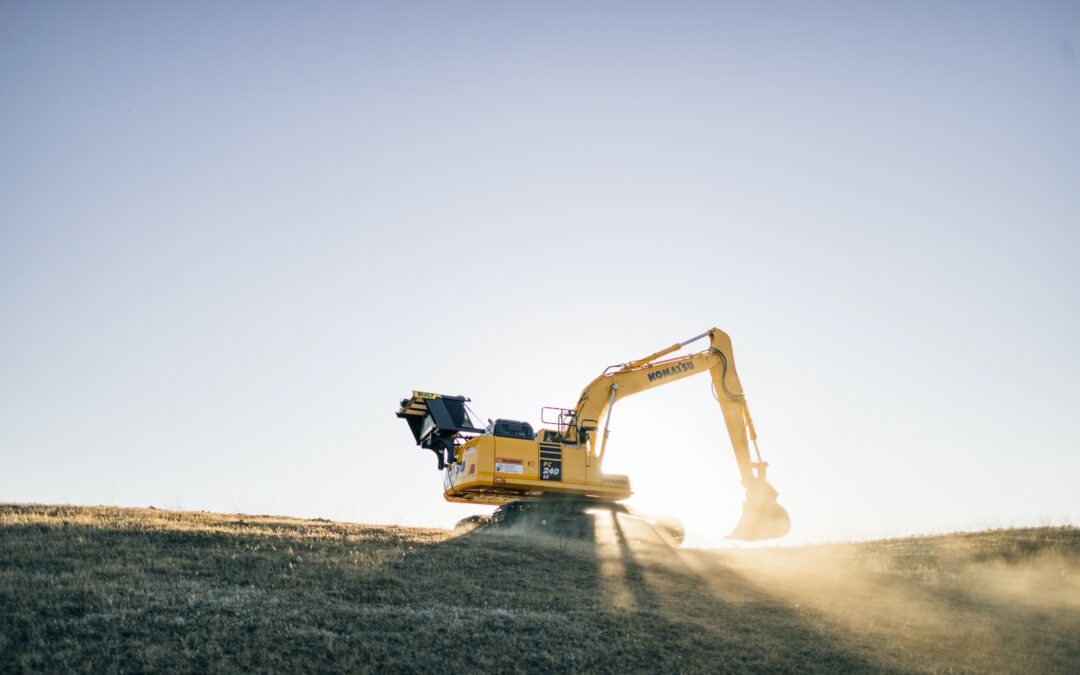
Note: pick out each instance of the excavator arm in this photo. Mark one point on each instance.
(763, 517)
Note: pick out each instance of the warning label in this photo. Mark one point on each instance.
(503, 465)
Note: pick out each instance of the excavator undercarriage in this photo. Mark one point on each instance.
(570, 518)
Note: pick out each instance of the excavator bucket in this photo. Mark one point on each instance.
(762, 515)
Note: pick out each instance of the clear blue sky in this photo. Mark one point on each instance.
(234, 235)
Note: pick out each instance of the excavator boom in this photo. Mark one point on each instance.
(763, 517)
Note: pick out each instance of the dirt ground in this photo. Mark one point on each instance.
(105, 589)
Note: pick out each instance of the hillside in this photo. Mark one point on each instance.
(133, 590)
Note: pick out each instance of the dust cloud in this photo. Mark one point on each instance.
(990, 601)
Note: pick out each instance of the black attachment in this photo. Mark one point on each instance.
(436, 421)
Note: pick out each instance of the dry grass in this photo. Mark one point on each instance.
(106, 589)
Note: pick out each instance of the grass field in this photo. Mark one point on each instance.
(106, 589)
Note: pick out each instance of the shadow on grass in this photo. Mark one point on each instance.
(537, 603)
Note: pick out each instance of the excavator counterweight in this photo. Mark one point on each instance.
(507, 463)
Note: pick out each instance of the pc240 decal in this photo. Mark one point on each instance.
(550, 469)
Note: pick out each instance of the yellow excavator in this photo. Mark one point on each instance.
(553, 476)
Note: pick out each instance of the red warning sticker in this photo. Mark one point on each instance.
(506, 465)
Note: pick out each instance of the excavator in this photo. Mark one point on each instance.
(553, 477)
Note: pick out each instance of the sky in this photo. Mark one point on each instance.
(233, 236)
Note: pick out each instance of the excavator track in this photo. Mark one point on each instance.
(565, 519)
(561, 518)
